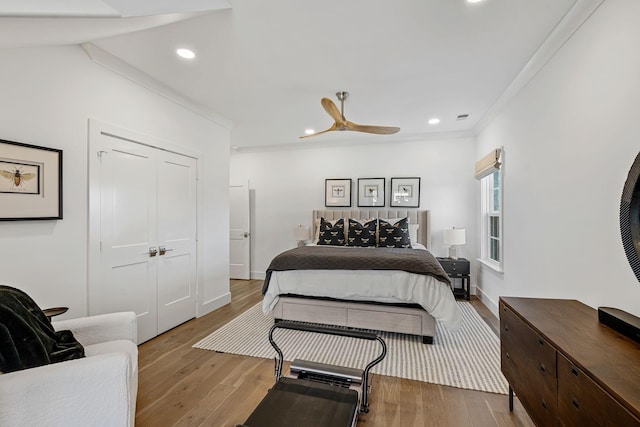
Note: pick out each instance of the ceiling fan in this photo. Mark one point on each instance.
(340, 123)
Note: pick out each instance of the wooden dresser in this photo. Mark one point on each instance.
(566, 367)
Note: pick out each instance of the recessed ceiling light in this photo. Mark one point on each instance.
(186, 53)
(309, 131)
(434, 121)
(474, 1)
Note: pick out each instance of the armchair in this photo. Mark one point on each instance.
(97, 390)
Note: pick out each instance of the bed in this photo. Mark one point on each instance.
(383, 298)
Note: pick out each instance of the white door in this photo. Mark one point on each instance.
(128, 267)
(147, 258)
(239, 233)
(176, 240)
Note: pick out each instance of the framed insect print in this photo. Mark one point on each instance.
(405, 192)
(370, 192)
(337, 192)
(30, 182)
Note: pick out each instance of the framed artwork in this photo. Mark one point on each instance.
(337, 192)
(405, 192)
(30, 182)
(370, 192)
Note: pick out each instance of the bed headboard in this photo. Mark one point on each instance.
(422, 217)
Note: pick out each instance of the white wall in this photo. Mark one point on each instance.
(48, 95)
(288, 184)
(570, 138)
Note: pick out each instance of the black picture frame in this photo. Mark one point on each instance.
(371, 192)
(30, 182)
(405, 192)
(337, 192)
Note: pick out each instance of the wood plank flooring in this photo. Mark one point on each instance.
(183, 386)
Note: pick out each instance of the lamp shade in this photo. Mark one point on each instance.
(301, 232)
(454, 236)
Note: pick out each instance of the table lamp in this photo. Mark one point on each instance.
(454, 237)
(301, 234)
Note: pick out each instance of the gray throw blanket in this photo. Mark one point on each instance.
(347, 258)
(27, 338)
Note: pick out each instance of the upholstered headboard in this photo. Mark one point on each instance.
(421, 217)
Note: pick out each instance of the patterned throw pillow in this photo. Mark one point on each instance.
(331, 234)
(362, 234)
(394, 235)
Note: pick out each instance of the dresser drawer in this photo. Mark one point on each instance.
(529, 364)
(582, 402)
(526, 346)
(455, 267)
(534, 391)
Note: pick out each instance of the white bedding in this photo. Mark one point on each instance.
(368, 285)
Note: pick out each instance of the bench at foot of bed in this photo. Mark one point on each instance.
(425, 339)
(410, 320)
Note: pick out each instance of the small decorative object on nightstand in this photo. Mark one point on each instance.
(454, 237)
(458, 269)
(301, 234)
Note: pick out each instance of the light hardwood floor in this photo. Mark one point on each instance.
(183, 386)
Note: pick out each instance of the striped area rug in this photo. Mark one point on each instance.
(467, 359)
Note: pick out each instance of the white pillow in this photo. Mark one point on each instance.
(413, 233)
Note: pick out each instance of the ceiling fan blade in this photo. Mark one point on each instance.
(332, 128)
(332, 110)
(380, 130)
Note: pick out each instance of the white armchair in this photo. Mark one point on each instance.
(97, 390)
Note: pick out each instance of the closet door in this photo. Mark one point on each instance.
(128, 266)
(147, 259)
(176, 240)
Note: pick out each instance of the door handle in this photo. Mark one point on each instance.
(152, 251)
(246, 234)
(164, 250)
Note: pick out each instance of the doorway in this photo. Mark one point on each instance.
(239, 232)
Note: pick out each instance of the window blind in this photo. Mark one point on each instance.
(488, 164)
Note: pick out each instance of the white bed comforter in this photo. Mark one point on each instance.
(368, 285)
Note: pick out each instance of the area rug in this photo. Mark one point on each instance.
(469, 358)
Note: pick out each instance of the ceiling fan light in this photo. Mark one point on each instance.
(309, 131)
(434, 121)
(186, 53)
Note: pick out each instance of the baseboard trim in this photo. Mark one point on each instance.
(214, 304)
(258, 275)
(488, 302)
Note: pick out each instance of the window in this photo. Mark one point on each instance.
(489, 173)
(493, 217)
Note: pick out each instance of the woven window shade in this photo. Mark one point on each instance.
(488, 164)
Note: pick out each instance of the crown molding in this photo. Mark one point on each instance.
(579, 13)
(128, 71)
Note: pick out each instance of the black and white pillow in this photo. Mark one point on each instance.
(332, 235)
(362, 234)
(394, 235)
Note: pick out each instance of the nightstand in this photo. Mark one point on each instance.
(458, 269)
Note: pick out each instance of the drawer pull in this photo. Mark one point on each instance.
(506, 328)
(574, 371)
(544, 405)
(575, 403)
(542, 367)
(507, 354)
(541, 341)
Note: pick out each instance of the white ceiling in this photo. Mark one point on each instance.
(265, 65)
